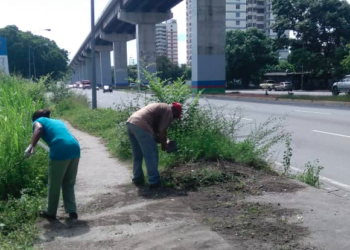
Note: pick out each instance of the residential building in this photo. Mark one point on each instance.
(242, 15)
(167, 40)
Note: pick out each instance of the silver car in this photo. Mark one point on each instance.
(342, 86)
(284, 86)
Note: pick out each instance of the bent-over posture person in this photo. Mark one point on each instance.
(63, 165)
(144, 128)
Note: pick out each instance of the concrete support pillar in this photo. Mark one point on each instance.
(83, 72)
(208, 46)
(98, 69)
(104, 64)
(120, 64)
(120, 57)
(80, 72)
(145, 38)
(105, 61)
(88, 62)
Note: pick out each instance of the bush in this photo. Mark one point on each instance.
(17, 222)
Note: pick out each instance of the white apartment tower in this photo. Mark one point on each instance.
(166, 40)
(242, 15)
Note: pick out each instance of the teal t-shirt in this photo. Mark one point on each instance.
(63, 146)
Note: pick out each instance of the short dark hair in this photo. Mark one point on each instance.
(41, 113)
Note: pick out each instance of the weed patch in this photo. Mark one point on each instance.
(311, 174)
(205, 132)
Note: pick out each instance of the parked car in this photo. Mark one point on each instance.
(86, 84)
(268, 84)
(342, 86)
(284, 86)
(107, 88)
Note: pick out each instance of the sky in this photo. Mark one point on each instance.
(69, 21)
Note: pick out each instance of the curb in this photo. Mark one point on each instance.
(281, 100)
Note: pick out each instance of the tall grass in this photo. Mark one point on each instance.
(22, 182)
(16, 108)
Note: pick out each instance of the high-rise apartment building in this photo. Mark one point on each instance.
(241, 15)
(167, 40)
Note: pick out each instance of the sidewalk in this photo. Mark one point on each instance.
(113, 214)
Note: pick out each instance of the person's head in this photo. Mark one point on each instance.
(41, 113)
(177, 110)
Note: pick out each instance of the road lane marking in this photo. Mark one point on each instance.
(325, 179)
(328, 133)
(312, 112)
(237, 117)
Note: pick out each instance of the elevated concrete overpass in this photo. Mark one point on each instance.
(125, 20)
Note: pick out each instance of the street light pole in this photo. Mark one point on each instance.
(93, 63)
(302, 69)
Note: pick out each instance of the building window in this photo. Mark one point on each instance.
(238, 6)
(238, 14)
(238, 23)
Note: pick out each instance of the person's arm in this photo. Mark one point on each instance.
(163, 139)
(37, 133)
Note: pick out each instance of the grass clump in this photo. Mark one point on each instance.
(340, 98)
(311, 174)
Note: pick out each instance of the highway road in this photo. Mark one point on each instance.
(318, 132)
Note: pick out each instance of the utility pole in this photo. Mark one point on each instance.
(302, 69)
(93, 63)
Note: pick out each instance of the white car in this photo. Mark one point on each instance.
(342, 86)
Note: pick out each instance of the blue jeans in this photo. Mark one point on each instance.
(143, 145)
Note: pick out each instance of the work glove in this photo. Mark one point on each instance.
(29, 151)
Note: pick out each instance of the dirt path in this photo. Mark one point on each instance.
(113, 214)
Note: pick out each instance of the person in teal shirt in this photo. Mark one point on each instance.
(64, 161)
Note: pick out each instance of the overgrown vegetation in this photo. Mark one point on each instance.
(22, 181)
(205, 132)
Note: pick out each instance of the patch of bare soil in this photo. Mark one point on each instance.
(247, 225)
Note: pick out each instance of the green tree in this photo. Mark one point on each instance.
(132, 72)
(248, 53)
(322, 29)
(167, 70)
(346, 62)
(49, 58)
(282, 66)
